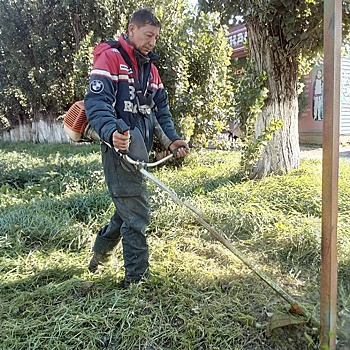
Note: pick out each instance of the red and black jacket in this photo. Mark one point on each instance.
(111, 92)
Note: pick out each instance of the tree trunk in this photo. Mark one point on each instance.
(282, 153)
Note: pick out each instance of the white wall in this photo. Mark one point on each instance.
(345, 97)
(37, 132)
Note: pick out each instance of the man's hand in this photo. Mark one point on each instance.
(181, 147)
(121, 141)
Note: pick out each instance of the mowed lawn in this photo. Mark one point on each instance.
(53, 200)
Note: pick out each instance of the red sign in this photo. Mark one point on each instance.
(236, 38)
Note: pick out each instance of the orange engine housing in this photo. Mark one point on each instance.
(75, 118)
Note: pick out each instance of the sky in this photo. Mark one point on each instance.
(192, 2)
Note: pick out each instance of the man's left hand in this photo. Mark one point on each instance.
(181, 148)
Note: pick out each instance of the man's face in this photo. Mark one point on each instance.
(143, 38)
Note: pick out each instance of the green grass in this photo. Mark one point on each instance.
(54, 200)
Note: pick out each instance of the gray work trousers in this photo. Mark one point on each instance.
(130, 197)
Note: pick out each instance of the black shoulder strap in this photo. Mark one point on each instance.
(137, 84)
(116, 44)
(127, 59)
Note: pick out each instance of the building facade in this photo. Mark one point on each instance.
(311, 100)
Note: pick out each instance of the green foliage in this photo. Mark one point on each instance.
(285, 37)
(82, 63)
(54, 200)
(250, 96)
(297, 25)
(34, 63)
(195, 70)
(254, 145)
(42, 48)
(46, 70)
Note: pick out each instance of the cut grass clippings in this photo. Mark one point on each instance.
(54, 200)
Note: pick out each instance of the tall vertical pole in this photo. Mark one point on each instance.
(329, 275)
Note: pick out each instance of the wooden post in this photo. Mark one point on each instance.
(329, 275)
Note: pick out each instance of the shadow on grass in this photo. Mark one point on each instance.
(39, 278)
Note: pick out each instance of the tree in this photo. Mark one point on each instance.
(283, 35)
(45, 57)
(39, 41)
(196, 71)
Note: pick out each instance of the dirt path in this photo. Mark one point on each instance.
(309, 151)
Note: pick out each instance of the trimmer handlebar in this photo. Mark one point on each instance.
(123, 128)
(141, 164)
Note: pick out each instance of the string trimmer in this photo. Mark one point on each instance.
(199, 216)
(78, 129)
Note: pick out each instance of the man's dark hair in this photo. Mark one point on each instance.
(143, 17)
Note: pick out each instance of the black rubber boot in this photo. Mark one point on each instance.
(135, 254)
(103, 251)
(98, 260)
(129, 281)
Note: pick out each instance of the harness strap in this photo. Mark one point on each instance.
(137, 84)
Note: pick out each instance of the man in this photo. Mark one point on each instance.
(125, 84)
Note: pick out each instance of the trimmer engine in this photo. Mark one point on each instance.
(76, 125)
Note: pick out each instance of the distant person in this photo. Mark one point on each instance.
(318, 96)
(125, 83)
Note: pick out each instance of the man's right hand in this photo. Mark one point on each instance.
(121, 141)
